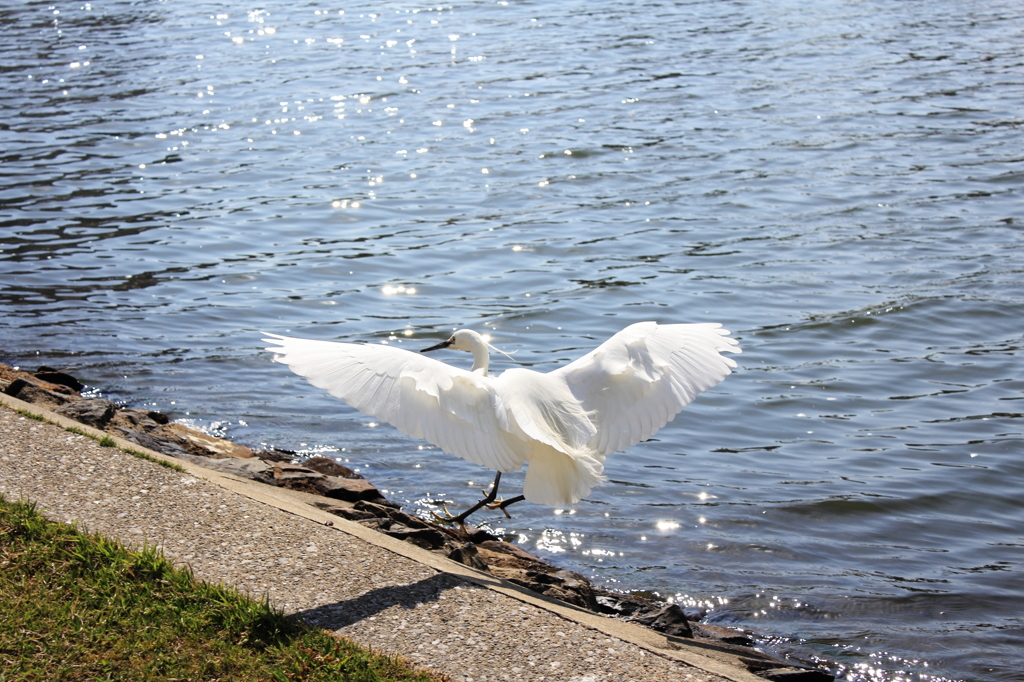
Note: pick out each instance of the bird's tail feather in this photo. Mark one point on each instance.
(556, 479)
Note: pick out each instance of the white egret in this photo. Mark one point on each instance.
(563, 423)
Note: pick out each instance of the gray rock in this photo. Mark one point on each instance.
(669, 619)
(287, 475)
(467, 555)
(720, 634)
(134, 420)
(94, 412)
(60, 378)
(376, 524)
(203, 444)
(31, 393)
(296, 477)
(275, 455)
(427, 538)
(161, 445)
(255, 469)
(495, 545)
(351, 514)
(329, 467)
(392, 512)
(479, 535)
(348, 489)
(795, 675)
(158, 417)
(616, 604)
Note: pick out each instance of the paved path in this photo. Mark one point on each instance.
(380, 592)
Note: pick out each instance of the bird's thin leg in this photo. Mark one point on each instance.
(504, 503)
(461, 518)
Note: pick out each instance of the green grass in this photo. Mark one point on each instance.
(37, 417)
(151, 458)
(75, 607)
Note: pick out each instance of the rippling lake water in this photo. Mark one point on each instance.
(838, 183)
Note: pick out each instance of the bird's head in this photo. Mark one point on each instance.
(463, 339)
(472, 342)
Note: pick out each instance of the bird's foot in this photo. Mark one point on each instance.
(502, 504)
(449, 519)
(488, 499)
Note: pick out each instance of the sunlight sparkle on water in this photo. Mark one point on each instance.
(557, 541)
(705, 603)
(389, 290)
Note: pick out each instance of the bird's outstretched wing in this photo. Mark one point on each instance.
(448, 406)
(638, 380)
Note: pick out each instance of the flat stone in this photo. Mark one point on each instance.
(293, 477)
(293, 472)
(721, 634)
(202, 444)
(254, 469)
(297, 477)
(795, 675)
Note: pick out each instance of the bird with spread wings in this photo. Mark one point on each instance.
(562, 424)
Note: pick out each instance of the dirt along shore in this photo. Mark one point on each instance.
(338, 491)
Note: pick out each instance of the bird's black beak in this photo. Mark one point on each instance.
(438, 346)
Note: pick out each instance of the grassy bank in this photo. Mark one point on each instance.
(75, 606)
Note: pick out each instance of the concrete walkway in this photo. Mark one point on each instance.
(380, 592)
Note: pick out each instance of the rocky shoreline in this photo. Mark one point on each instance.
(351, 496)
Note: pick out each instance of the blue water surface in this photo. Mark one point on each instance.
(838, 183)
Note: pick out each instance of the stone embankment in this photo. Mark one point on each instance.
(346, 494)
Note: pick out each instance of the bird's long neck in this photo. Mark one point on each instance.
(481, 357)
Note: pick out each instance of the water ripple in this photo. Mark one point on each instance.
(837, 183)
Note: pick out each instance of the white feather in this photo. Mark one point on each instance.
(564, 423)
